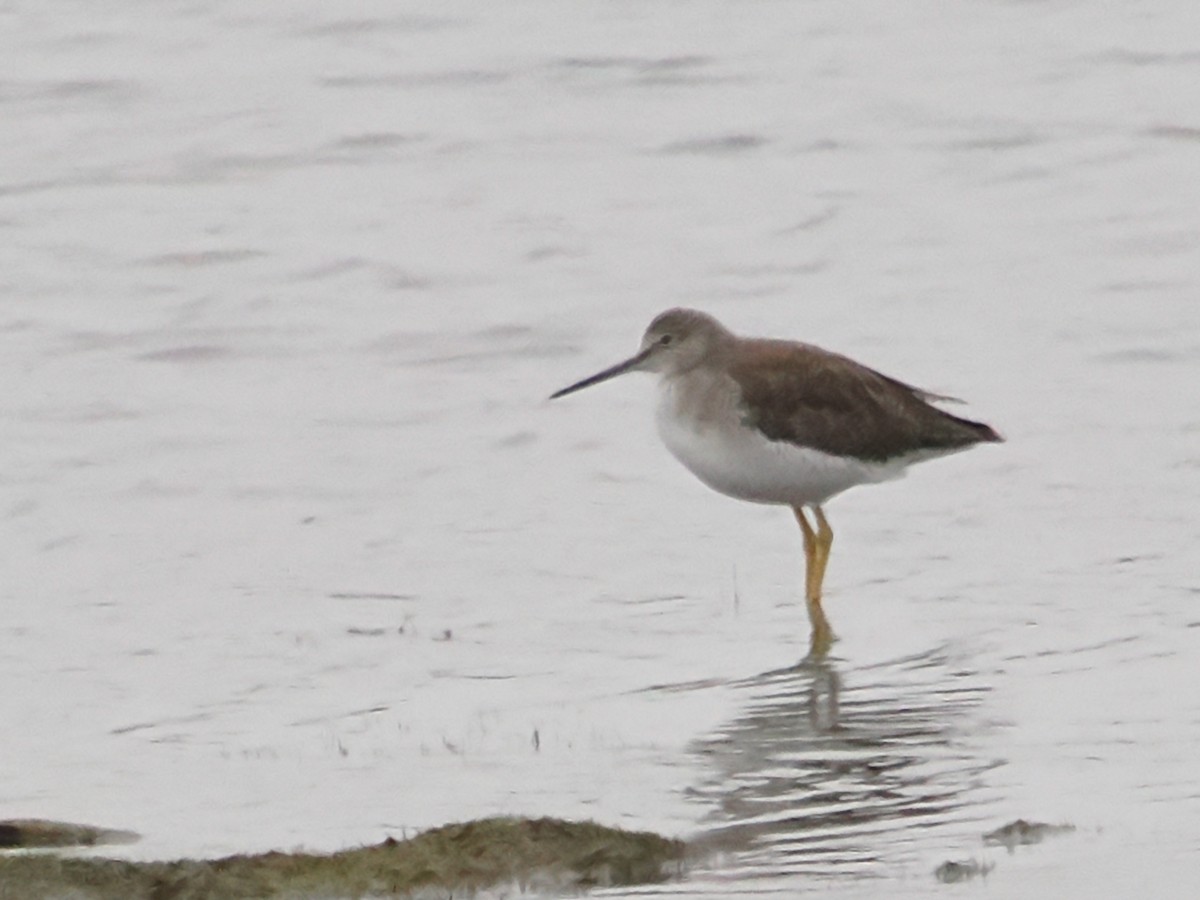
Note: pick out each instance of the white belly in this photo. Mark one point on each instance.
(739, 461)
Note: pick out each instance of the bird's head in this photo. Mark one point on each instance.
(676, 341)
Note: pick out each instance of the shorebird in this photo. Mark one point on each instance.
(786, 423)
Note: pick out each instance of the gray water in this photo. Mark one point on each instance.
(297, 554)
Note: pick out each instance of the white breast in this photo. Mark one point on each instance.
(702, 427)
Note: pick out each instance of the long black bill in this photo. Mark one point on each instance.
(619, 369)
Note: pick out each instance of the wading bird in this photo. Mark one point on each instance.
(786, 423)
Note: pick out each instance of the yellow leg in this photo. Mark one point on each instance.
(810, 552)
(824, 545)
(816, 556)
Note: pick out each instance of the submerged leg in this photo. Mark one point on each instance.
(816, 555)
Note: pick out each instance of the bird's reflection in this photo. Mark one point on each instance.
(837, 769)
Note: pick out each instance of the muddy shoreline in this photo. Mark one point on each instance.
(529, 853)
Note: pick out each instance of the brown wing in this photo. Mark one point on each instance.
(811, 397)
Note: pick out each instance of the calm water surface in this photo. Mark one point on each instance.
(297, 554)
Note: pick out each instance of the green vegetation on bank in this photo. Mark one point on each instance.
(530, 853)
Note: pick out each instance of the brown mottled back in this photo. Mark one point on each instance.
(813, 398)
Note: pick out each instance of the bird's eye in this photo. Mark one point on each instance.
(665, 340)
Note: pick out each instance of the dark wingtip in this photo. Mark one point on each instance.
(989, 434)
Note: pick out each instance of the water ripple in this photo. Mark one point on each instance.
(831, 772)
